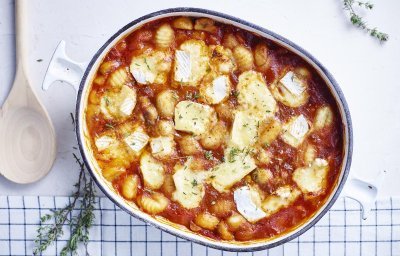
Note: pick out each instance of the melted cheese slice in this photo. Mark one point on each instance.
(193, 117)
(150, 68)
(248, 203)
(104, 142)
(110, 148)
(118, 104)
(183, 67)
(282, 197)
(244, 129)
(312, 179)
(127, 106)
(238, 163)
(189, 186)
(217, 91)
(295, 130)
(191, 62)
(137, 140)
(152, 171)
(254, 95)
(162, 146)
(290, 90)
(292, 83)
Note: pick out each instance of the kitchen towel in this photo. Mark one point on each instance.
(341, 231)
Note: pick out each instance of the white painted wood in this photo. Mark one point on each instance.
(27, 148)
(365, 70)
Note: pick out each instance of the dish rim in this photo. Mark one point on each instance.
(252, 245)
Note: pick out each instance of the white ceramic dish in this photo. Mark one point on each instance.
(80, 76)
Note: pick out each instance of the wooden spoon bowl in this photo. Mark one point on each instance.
(27, 151)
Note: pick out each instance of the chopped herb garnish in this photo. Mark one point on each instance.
(235, 93)
(109, 126)
(145, 61)
(180, 116)
(107, 100)
(194, 183)
(189, 96)
(208, 155)
(232, 154)
(192, 95)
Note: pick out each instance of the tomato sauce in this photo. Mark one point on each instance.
(285, 159)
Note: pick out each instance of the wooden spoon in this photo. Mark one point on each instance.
(27, 137)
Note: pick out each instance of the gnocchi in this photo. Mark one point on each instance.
(189, 145)
(214, 129)
(183, 23)
(206, 220)
(323, 118)
(164, 36)
(166, 102)
(153, 203)
(244, 58)
(130, 186)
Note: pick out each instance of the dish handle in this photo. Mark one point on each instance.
(364, 192)
(63, 68)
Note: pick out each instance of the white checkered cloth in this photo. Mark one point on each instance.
(340, 232)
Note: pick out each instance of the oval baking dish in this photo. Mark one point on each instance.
(90, 154)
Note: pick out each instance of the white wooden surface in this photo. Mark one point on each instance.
(366, 71)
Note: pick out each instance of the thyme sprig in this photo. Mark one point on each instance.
(52, 224)
(358, 21)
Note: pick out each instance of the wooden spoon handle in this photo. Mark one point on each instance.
(21, 31)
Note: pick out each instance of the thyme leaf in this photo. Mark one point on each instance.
(358, 21)
(52, 224)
